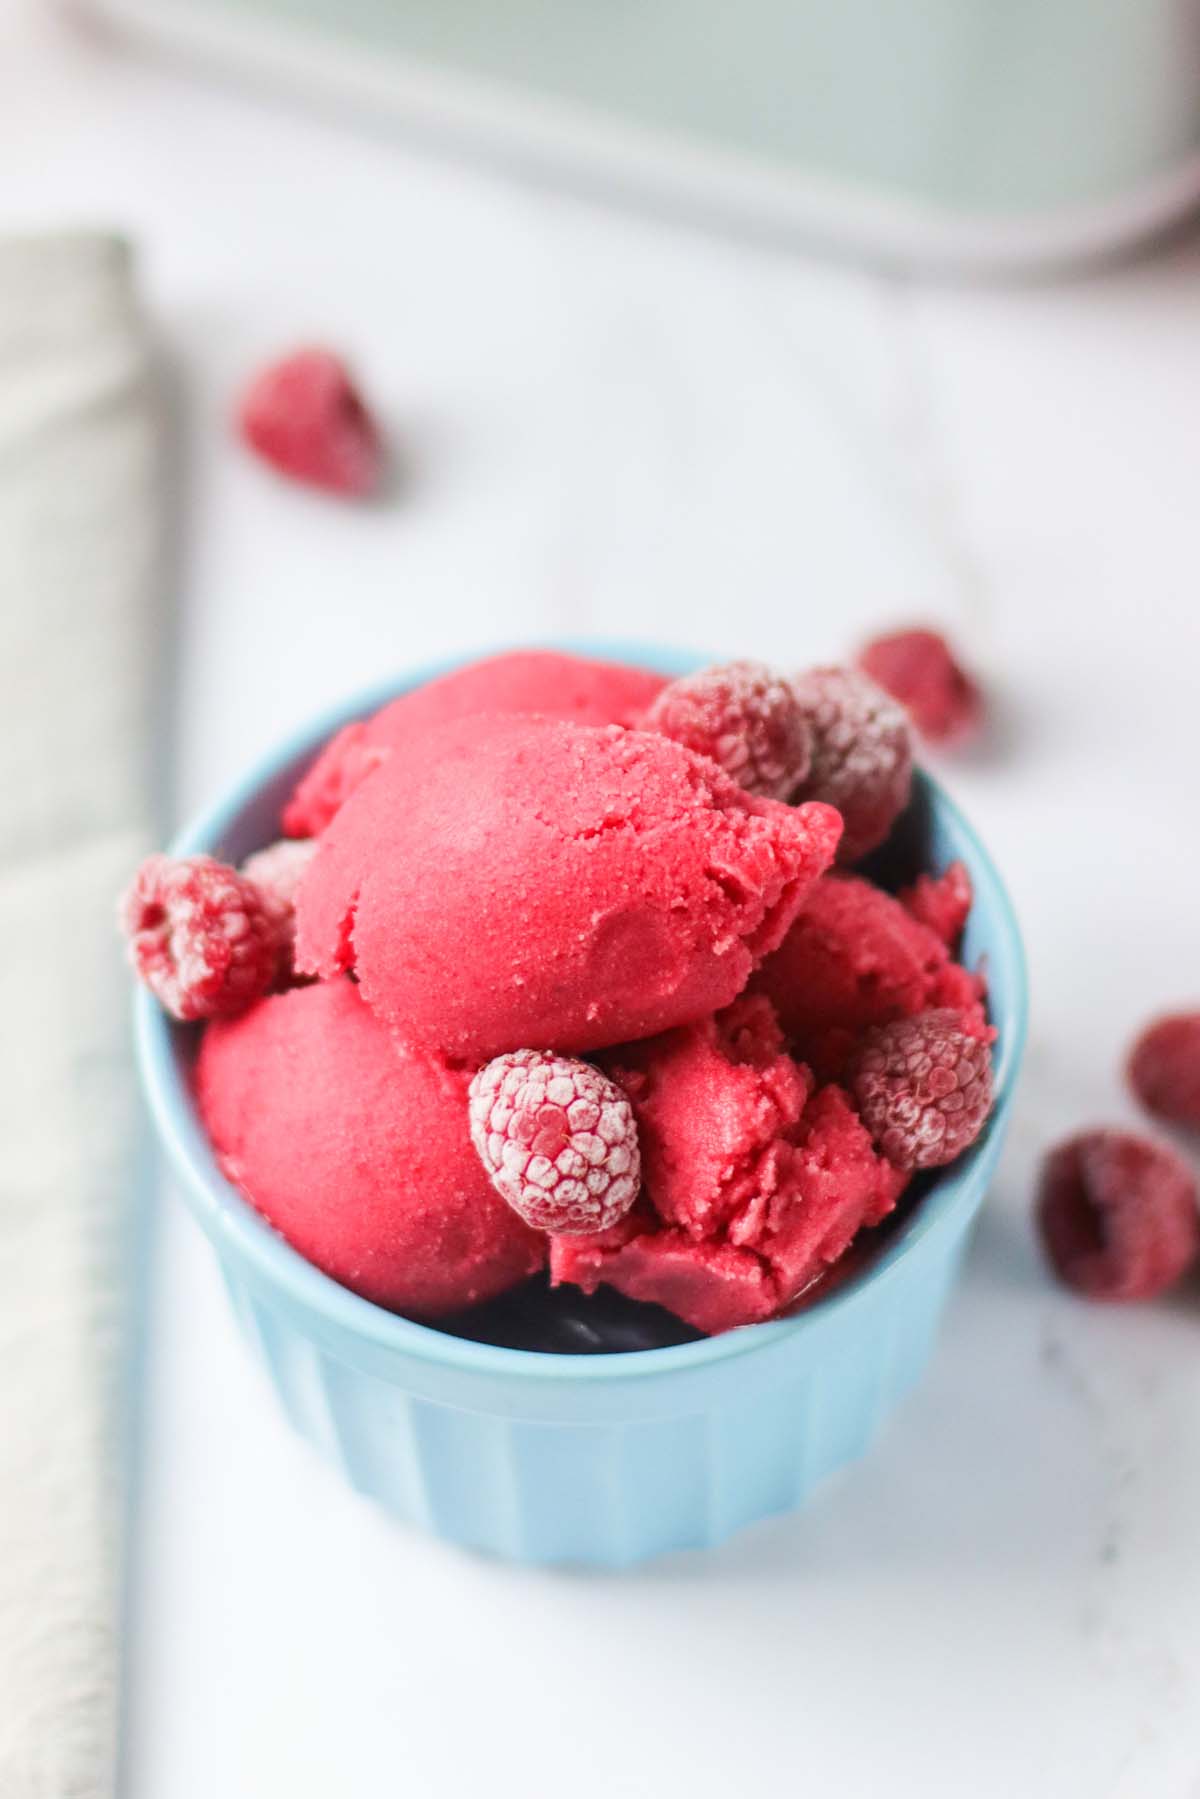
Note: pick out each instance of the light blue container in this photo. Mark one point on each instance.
(970, 134)
(602, 1459)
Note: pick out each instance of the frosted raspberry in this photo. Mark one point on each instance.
(200, 936)
(277, 872)
(557, 1139)
(743, 717)
(1164, 1069)
(861, 756)
(305, 417)
(919, 669)
(1117, 1215)
(942, 903)
(923, 1087)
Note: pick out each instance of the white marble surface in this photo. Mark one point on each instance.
(610, 425)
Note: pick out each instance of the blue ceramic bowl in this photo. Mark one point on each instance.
(603, 1458)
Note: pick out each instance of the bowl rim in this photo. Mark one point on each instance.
(231, 1221)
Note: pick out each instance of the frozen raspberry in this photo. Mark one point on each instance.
(201, 936)
(919, 669)
(1117, 1215)
(861, 755)
(305, 417)
(942, 903)
(1164, 1069)
(558, 1140)
(923, 1087)
(743, 717)
(343, 765)
(277, 873)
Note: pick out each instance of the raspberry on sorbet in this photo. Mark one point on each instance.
(742, 716)
(277, 872)
(862, 755)
(923, 1087)
(557, 1139)
(201, 936)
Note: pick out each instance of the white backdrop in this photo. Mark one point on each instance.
(611, 425)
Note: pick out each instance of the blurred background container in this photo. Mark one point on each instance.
(962, 132)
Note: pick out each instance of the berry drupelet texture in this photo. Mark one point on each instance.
(923, 1087)
(743, 717)
(201, 936)
(862, 755)
(557, 1139)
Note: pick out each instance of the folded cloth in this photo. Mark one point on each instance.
(80, 468)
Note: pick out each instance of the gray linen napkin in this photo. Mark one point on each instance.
(80, 459)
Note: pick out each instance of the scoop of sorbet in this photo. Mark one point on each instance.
(358, 1153)
(755, 1184)
(548, 682)
(524, 880)
(803, 1198)
(857, 957)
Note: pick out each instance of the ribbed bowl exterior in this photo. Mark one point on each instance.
(677, 1470)
(601, 1459)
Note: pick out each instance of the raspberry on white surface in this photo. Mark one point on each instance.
(920, 670)
(923, 1088)
(305, 416)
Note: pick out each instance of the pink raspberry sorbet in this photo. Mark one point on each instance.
(549, 683)
(524, 882)
(359, 1153)
(754, 1183)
